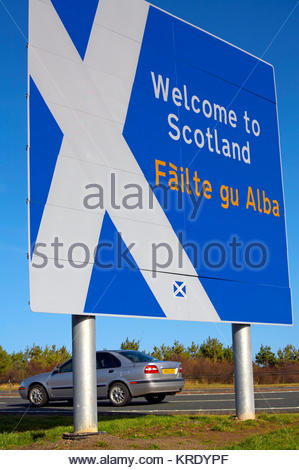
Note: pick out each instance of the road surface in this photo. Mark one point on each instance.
(193, 402)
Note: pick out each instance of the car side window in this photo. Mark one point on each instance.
(107, 361)
(67, 367)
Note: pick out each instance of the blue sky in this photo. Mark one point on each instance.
(267, 29)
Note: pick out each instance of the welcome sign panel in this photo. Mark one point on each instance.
(162, 184)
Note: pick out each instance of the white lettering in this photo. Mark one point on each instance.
(157, 87)
(173, 126)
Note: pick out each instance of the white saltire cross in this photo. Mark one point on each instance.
(89, 100)
(179, 289)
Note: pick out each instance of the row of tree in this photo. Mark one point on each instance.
(214, 350)
(211, 355)
(211, 349)
(212, 362)
(14, 367)
(265, 356)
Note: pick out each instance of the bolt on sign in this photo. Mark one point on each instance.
(155, 184)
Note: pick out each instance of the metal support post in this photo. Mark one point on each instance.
(243, 373)
(84, 374)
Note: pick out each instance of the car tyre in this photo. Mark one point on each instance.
(38, 396)
(155, 397)
(119, 394)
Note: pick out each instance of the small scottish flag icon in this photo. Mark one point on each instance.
(179, 289)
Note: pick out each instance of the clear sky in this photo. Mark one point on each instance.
(267, 29)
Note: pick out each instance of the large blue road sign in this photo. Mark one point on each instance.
(155, 181)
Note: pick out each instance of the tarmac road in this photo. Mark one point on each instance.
(222, 401)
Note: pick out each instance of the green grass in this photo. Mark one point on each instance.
(154, 447)
(25, 438)
(222, 427)
(279, 419)
(282, 439)
(17, 432)
(268, 431)
(102, 444)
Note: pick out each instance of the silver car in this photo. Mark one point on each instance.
(121, 376)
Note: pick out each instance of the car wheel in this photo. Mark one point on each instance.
(38, 395)
(119, 394)
(155, 397)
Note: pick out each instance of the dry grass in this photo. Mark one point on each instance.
(9, 387)
(193, 384)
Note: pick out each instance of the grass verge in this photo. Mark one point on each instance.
(155, 432)
(9, 387)
(189, 384)
(195, 384)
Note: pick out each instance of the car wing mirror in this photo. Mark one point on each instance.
(56, 371)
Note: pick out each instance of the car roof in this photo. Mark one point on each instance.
(118, 350)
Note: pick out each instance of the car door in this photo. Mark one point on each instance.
(61, 381)
(108, 370)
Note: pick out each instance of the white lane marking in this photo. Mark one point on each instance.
(203, 394)
(201, 410)
(204, 410)
(11, 398)
(278, 391)
(271, 399)
(233, 393)
(221, 400)
(173, 411)
(279, 408)
(199, 401)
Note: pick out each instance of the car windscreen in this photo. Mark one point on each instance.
(137, 356)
